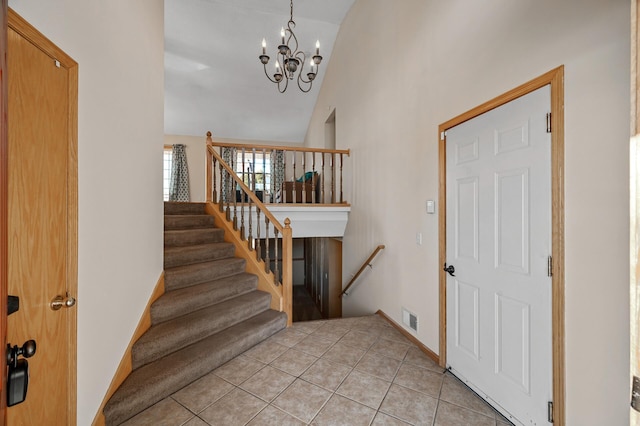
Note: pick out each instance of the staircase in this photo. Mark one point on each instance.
(211, 311)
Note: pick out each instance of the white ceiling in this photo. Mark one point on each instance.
(214, 79)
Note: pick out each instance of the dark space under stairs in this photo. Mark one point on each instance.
(211, 311)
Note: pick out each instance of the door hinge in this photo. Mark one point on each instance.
(550, 266)
(550, 411)
(548, 122)
(443, 135)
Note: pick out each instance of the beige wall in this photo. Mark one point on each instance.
(119, 48)
(401, 68)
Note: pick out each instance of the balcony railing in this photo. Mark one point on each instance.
(283, 174)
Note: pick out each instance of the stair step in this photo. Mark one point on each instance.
(175, 303)
(149, 384)
(183, 208)
(169, 336)
(187, 255)
(186, 237)
(184, 276)
(188, 221)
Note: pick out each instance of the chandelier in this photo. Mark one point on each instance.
(289, 60)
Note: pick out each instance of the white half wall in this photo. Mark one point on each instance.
(398, 70)
(119, 48)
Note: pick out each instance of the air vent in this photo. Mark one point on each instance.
(410, 319)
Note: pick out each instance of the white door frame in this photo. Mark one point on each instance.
(554, 78)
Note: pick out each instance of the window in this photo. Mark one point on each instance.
(261, 166)
(166, 168)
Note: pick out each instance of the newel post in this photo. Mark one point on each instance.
(209, 168)
(287, 270)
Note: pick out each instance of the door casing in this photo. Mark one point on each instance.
(554, 78)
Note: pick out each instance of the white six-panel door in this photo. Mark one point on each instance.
(499, 334)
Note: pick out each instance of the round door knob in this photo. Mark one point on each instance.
(62, 302)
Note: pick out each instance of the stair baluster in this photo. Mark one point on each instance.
(267, 267)
(322, 178)
(276, 273)
(314, 180)
(341, 161)
(242, 198)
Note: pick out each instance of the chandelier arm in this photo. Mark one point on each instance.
(267, 74)
(290, 26)
(303, 61)
(286, 84)
(310, 83)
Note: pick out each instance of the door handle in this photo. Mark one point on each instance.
(62, 302)
(450, 269)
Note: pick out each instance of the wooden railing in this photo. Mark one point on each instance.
(285, 174)
(362, 268)
(257, 231)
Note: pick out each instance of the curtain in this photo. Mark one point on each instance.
(179, 184)
(278, 171)
(228, 189)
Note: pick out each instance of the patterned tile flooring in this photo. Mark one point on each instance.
(349, 371)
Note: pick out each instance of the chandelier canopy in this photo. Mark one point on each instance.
(290, 62)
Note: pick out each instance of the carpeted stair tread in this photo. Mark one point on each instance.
(164, 338)
(188, 299)
(188, 255)
(151, 383)
(183, 208)
(210, 312)
(173, 222)
(184, 276)
(185, 237)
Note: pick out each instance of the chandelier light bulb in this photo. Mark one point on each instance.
(282, 34)
(317, 47)
(264, 46)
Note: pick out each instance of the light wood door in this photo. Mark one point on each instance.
(499, 240)
(41, 224)
(3, 200)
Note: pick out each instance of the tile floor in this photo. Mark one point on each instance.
(350, 371)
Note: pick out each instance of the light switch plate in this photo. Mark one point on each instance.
(431, 206)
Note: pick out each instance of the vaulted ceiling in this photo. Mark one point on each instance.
(214, 79)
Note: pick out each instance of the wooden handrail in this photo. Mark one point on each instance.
(279, 147)
(362, 268)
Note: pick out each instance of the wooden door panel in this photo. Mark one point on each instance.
(38, 196)
(3, 201)
(499, 302)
